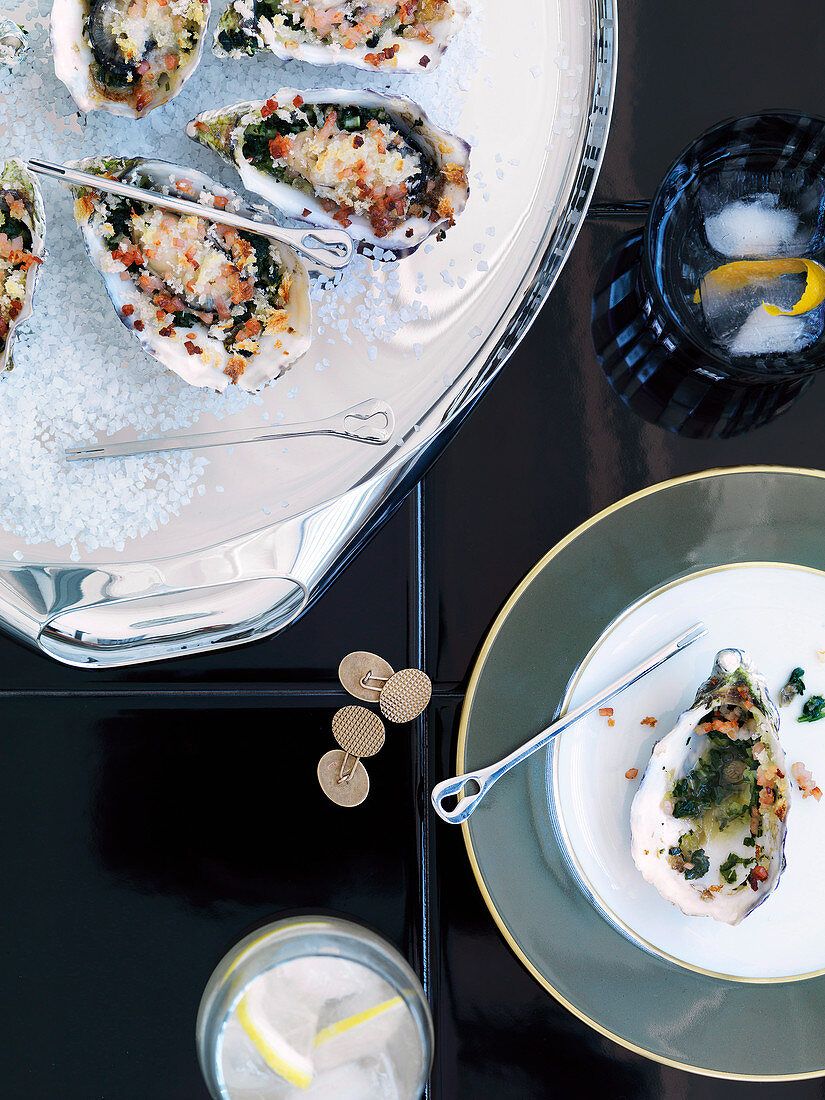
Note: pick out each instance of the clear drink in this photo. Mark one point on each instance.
(314, 1008)
(741, 253)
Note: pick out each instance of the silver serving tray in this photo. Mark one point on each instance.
(226, 571)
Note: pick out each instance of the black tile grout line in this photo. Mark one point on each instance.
(418, 655)
(276, 694)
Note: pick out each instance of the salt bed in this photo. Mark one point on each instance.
(47, 403)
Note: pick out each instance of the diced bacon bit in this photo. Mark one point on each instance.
(376, 59)
(805, 780)
(191, 336)
(192, 348)
(306, 213)
(128, 310)
(766, 773)
(649, 721)
(280, 146)
(409, 233)
(168, 331)
(328, 127)
(199, 126)
(186, 186)
(17, 208)
(4, 328)
(757, 875)
(143, 68)
(298, 101)
(611, 721)
(342, 216)
(606, 712)
(269, 108)
(252, 327)
(631, 773)
(139, 325)
(781, 810)
(171, 62)
(720, 726)
(424, 62)
(220, 202)
(235, 368)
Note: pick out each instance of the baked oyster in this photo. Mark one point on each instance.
(127, 56)
(372, 163)
(709, 819)
(402, 36)
(14, 42)
(22, 243)
(214, 304)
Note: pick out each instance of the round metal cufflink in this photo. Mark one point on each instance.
(402, 696)
(342, 776)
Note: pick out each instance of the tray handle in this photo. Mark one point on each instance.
(133, 629)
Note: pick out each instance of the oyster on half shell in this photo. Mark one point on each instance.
(214, 304)
(709, 818)
(401, 36)
(22, 247)
(127, 56)
(372, 163)
(14, 43)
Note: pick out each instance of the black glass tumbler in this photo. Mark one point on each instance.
(751, 189)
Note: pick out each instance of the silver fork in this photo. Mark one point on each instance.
(370, 422)
(484, 778)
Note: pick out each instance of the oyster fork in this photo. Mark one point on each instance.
(368, 422)
(484, 778)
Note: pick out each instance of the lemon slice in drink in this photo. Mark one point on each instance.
(362, 1034)
(281, 1031)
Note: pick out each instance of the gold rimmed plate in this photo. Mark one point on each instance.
(661, 998)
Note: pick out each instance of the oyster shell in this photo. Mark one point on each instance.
(401, 36)
(14, 42)
(709, 819)
(22, 247)
(115, 58)
(370, 162)
(213, 304)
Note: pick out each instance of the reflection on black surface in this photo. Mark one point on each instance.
(220, 805)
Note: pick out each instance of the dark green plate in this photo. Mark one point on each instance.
(650, 1005)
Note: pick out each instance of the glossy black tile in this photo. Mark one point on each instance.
(366, 608)
(499, 1033)
(139, 842)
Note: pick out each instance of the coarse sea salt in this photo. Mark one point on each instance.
(79, 375)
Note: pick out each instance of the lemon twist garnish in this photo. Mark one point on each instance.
(741, 273)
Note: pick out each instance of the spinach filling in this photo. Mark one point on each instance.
(723, 780)
(813, 710)
(13, 227)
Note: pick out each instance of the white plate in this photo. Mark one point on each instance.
(776, 613)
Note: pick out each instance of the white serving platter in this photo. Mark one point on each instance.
(146, 558)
